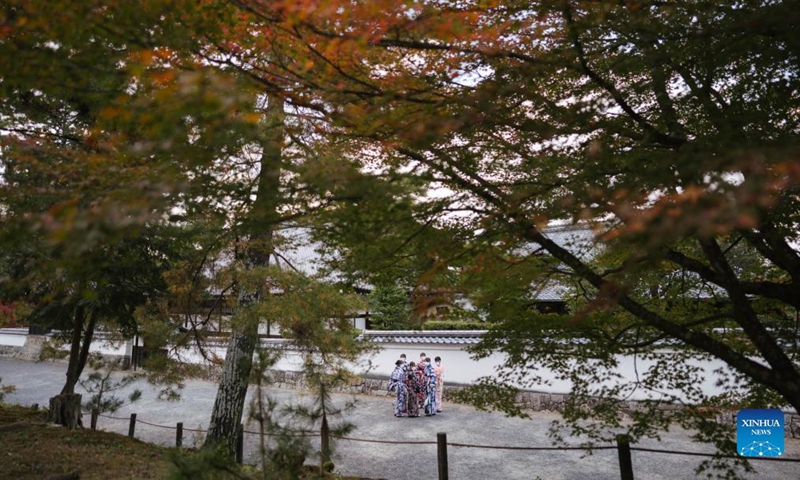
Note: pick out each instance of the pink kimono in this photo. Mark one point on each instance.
(439, 385)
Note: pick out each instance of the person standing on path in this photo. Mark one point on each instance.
(430, 383)
(419, 373)
(397, 383)
(414, 387)
(439, 370)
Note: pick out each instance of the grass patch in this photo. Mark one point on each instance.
(34, 449)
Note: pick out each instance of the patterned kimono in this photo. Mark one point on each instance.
(439, 370)
(397, 383)
(414, 387)
(423, 391)
(430, 398)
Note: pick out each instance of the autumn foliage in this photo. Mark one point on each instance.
(667, 129)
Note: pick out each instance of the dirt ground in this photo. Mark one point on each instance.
(37, 382)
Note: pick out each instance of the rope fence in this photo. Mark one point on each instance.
(157, 425)
(112, 418)
(388, 442)
(297, 434)
(194, 430)
(535, 449)
(623, 445)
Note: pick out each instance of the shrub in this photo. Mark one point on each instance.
(453, 325)
(390, 306)
(5, 390)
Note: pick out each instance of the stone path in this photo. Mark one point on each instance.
(37, 382)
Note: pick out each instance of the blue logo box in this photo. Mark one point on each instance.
(759, 432)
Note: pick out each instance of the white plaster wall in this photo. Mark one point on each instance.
(108, 348)
(459, 367)
(194, 355)
(462, 369)
(104, 347)
(457, 364)
(629, 366)
(12, 340)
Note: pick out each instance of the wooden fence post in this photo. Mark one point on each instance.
(132, 426)
(624, 451)
(240, 444)
(441, 446)
(93, 424)
(179, 435)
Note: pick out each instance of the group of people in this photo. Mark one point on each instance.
(418, 386)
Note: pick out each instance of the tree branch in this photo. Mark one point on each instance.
(779, 291)
(746, 317)
(783, 381)
(572, 33)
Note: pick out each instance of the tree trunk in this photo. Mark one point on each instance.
(88, 335)
(259, 226)
(229, 404)
(74, 352)
(65, 409)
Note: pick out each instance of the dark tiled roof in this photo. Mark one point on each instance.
(439, 337)
(550, 291)
(577, 239)
(14, 331)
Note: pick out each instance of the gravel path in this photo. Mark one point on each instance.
(37, 382)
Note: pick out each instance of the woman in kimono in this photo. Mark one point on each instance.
(423, 389)
(397, 383)
(430, 383)
(437, 368)
(413, 386)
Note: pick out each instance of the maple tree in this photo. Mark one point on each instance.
(143, 118)
(669, 128)
(106, 118)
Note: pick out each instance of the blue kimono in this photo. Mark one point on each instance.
(430, 390)
(397, 383)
